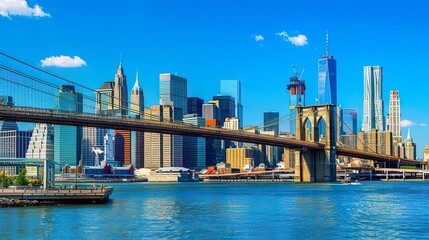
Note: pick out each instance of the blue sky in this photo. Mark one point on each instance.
(206, 41)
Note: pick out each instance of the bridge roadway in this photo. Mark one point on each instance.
(38, 115)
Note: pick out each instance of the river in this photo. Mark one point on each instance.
(388, 210)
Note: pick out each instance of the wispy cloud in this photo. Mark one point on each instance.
(63, 61)
(407, 123)
(259, 38)
(423, 124)
(9, 8)
(298, 40)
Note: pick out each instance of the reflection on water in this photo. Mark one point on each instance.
(233, 210)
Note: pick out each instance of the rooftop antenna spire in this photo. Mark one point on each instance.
(327, 44)
(120, 57)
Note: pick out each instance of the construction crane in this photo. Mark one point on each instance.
(296, 72)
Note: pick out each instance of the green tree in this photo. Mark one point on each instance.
(22, 180)
(5, 181)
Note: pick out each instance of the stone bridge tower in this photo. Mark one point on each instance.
(316, 124)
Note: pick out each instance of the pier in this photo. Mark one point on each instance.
(81, 194)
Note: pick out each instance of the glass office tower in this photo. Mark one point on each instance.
(233, 88)
(327, 78)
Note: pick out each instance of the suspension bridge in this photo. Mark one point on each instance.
(33, 90)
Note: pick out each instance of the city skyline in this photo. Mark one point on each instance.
(256, 51)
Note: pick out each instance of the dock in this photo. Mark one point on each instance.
(81, 194)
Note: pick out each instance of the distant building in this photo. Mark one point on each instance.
(120, 101)
(13, 144)
(7, 125)
(104, 97)
(194, 148)
(327, 78)
(226, 105)
(92, 141)
(211, 112)
(240, 157)
(41, 145)
(375, 141)
(271, 122)
(137, 99)
(373, 106)
(426, 154)
(233, 88)
(296, 89)
(213, 145)
(68, 139)
(195, 106)
(271, 154)
(173, 91)
(410, 147)
(162, 150)
(348, 121)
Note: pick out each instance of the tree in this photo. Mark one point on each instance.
(22, 180)
(5, 181)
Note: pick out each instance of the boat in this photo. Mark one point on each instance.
(348, 181)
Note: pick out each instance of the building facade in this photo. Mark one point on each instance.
(226, 105)
(375, 141)
(195, 106)
(137, 99)
(327, 78)
(394, 117)
(13, 144)
(348, 121)
(271, 122)
(173, 91)
(120, 101)
(68, 139)
(240, 157)
(162, 150)
(104, 97)
(194, 148)
(233, 88)
(296, 89)
(410, 147)
(373, 105)
(41, 145)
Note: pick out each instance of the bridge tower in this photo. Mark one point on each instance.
(316, 165)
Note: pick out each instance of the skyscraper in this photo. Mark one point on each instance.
(68, 139)
(296, 89)
(41, 145)
(226, 107)
(271, 122)
(348, 121)
(194, 148)
(394, 117)
(162, 150)
(137, 99)
(137, 138)
(195, 106)
(92, 143)
(104, 97)
(120, 101)
(410, 147)
(373, 106)
(327, 78)
(173, 92)
(233, 88)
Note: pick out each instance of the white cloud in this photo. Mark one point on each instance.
(20, 8)
(407, 123)
(423, 124)
(63, 61)
(259, 38)
(299, 40)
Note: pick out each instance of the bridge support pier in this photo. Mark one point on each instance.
(316, 165)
